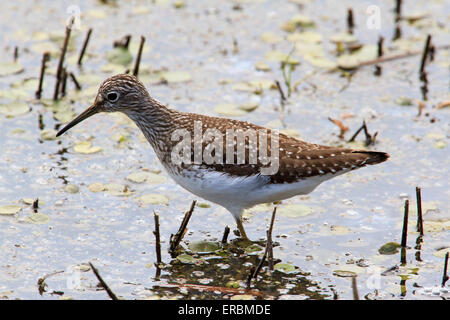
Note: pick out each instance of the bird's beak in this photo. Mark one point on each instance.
(93, 109)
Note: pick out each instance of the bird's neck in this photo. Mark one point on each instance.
(154, 120)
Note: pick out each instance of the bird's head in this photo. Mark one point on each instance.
(121, 92)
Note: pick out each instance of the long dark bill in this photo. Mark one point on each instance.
(93, 109)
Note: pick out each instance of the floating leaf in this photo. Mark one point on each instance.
(9, 209)
(441, 253)
(154, 198)
(96, 187)
(249, 106)
(176, 76)
(37, 218)
(307, 36)
(204, 246)
(262, 66)
(278, 56)
(14, 109)
(141, 176)
(285, 268)
(343, 38)
(119, 56)
(86, 147)
(185, 258)
(339, 230)
(71, 188)
(389, 248)
(253, 248)
(7, 68)
(294, 210)
(48, 134)
(115, 189)
(270, 37)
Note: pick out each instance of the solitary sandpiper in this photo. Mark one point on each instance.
(232, 163)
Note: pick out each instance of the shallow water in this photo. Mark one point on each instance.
(352, 215)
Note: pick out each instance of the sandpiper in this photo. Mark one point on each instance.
(236, 174)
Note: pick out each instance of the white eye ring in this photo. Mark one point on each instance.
(112, 96)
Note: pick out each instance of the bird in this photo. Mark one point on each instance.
(220, 159)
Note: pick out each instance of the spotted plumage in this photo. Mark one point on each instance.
(234, 180)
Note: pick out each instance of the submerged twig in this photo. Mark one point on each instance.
(104, 285)
(350, 21)
(445, 276)
(41, 281)
(75, 81)
(425, 53)
(123, 43)
(267, 252)
(45, 58)
(355, 288)
(61, 59)
(158, 240)
(138, 58)
(83, 49)
(64, 82)
(176, 239)
(370, 139)
(226, 232)
(341, 126)
(280, 90)
(405, 224)
(269, 244)
(397, 56)
(419, 211)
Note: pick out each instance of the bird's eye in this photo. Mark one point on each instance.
(113, 96)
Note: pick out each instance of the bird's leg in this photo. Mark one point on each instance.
(241, 228)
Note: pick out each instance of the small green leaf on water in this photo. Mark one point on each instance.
(389, 248)
(294, 210)
(441, 253)
(7, 68)
(115, 189)
(14, 108)
(344, 273)
(185, 258)
(96, 187)
(137, 177)
(142, 176)
(178, 4)
(262, 66)
(119, 56)
(403, 101)
(249, 106)
(37, 218)
(203, 205)
(154, 198)
(253, 248)
(285, 268)
(233, 284)
(176, 76)
(48, 134)
(9, 209)
(440, 145)
(85, 147)
(204, 246)
(271, 38)
(339, 230)
(71, 188)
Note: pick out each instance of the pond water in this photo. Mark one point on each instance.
(98, 185)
